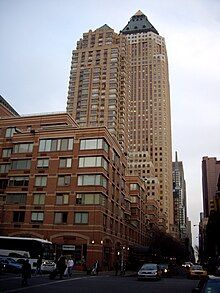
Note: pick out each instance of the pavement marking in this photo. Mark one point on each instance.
(45, 284)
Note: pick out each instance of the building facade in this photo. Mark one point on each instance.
(179, 198)
(122, 81)
(99, 82)
(210, 177)
(6, 109)
(68, 185)
(150, 119)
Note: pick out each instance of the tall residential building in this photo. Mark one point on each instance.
(179, 198)
(99, 82)
(150, 120)
(210, 176)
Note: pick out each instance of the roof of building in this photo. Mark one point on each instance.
(139, 23)
(4, 103)
(105, 27)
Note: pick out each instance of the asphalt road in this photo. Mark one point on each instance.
(96, 284)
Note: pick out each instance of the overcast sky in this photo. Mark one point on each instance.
(38, 36)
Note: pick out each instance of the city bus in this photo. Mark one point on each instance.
(20, 248)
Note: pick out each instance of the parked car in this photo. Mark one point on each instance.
(208, 285)
(187, 264)
(196, 272)
(149, 271)
(48, 266)
(10, 265)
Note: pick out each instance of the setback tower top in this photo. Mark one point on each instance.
(139, 23)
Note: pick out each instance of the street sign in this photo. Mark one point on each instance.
(68, 247)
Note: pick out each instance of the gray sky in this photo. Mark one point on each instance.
(38, 36)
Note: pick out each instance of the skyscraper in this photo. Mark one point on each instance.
(99, 82)
(110, 71)
(150, 120)
(179, 194)
(210, 177)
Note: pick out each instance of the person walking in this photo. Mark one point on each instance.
(70, 264)
(25, 272)
(61, 265)
(38, 267)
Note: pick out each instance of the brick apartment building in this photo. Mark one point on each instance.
(68, 185)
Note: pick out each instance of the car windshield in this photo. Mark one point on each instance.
(212, 286)
(149, 267)
(197, 267)
(163, 266)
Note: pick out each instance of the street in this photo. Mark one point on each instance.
(93, 284)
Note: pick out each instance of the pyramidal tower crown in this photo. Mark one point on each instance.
(139, 23)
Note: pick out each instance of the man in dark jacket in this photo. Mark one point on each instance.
(25, 272)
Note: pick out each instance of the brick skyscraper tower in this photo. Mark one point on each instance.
(121, 81)
(99, 82)
(150, 119)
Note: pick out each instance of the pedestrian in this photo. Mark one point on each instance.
(70, 264)
(25, 272)
(61, 265)
(38, 267)
(96, 267)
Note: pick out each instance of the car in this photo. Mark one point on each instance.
(187, 264)
(48, 266)
(196, 272)
(10, 265)
(149, 271)
(165, 270)
(208, 285)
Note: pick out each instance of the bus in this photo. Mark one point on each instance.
(20, 248)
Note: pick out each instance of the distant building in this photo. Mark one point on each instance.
(179, 198)
(210, 177)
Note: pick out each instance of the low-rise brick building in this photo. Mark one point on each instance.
(68, 185)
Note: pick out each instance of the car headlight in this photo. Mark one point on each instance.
(165, 270)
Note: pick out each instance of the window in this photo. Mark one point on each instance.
(40, 180)
(63, 144)
(64, 180)
(65, 162)
(62, 198)
(90, 198)
(93, 144)
(6, 153)
(134, 186)
(16, 198)
(42, 163)
(23, 148)
(21, 164)
(60, 218)
(39, 198)
(10, 131)
(81, 218)
(37, 216)
(18, 216)
(4, 168)
(134, 199)
(93, 162)
(19, 181)
(95, 179)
